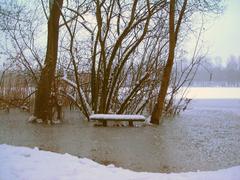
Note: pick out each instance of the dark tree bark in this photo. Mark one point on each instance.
(43, 108)
(159, 106)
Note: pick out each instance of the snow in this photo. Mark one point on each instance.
(117, 116)
(33, 164)
(73, 84)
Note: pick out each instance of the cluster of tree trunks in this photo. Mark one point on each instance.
(127, 48)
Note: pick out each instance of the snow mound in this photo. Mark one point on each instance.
(33, 164)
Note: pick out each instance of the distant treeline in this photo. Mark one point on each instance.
(212, 73)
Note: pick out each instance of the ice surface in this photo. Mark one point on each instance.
(212, 92)
(33, 164)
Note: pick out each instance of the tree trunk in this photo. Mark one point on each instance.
(173, 35)
(43, 108)
(159, 106)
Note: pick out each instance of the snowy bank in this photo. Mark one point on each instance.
(33, 164)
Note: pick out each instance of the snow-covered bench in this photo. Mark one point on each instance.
(117, 117)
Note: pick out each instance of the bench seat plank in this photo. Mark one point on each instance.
(117, 117)
(120, 117)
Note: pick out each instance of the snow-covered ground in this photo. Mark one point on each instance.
(22, 163)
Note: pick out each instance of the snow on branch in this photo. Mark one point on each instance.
(82, 94)
(68, 81)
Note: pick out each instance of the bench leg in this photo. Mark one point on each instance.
(105, 123)
(130, 123)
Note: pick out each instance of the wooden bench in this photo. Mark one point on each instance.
(116, 117)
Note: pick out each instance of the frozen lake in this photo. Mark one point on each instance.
(212, 92)
(205, 137)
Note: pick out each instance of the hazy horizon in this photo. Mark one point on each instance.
(221, 33)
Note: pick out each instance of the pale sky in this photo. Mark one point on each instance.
(222, 36)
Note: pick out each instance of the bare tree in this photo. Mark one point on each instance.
(173, 33)
(127, 36)
(43, 106)
(178, 10)
(124, 50)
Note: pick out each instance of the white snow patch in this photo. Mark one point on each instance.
(32, 164)
(148, 120)
(32, 118)
(39, 120)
